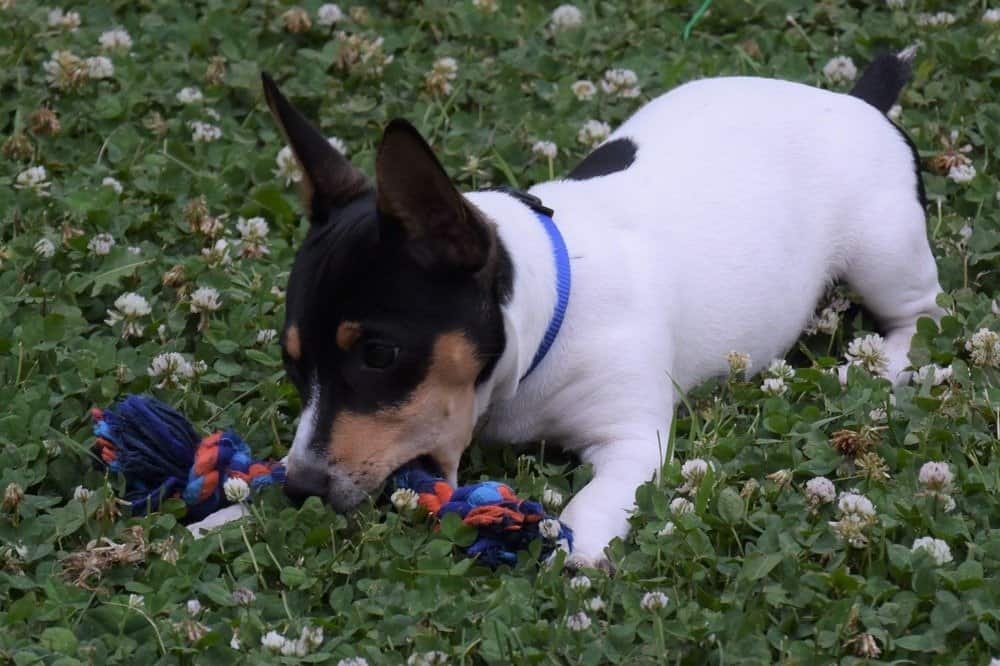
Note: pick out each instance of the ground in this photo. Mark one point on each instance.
(158, 152)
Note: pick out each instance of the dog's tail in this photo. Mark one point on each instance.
(883, 80)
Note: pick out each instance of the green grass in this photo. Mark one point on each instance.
(752, 575)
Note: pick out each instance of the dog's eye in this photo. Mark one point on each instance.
(379, 355)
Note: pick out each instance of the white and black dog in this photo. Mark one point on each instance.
(712, 220)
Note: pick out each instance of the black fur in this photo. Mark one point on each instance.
(612, 157)
(921, 192)
(357, 267)
(882, 81)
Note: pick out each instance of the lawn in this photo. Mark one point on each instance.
(147, 227)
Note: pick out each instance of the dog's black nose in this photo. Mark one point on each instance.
(304, 483)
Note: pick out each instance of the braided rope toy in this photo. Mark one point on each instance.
(161, 455)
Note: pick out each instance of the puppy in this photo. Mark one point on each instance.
(712, 220)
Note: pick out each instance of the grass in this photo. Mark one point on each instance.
(754, 574)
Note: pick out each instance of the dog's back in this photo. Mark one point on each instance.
(740, 188)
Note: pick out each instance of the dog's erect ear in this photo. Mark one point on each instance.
(328, 179)
(443, 230)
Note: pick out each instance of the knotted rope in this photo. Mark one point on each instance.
(160, 455)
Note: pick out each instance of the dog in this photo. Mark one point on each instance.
(712, 220)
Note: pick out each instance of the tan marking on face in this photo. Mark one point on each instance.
(293, 345)
(347, 334)
(437, 420)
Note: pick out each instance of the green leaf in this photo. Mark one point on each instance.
(758, 565)
(730, 506)
(60, 640)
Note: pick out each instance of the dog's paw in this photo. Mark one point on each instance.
(578, 561)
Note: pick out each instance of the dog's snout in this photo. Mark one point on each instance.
(304, 483)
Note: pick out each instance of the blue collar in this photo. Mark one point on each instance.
(563, 280)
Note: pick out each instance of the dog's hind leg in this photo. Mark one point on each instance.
(891, 267)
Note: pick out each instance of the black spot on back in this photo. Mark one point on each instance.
(612, 157)
(921, 193)
(882, 81)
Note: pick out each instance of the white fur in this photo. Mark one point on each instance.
(746, 199)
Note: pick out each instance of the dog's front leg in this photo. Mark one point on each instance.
(600, 511)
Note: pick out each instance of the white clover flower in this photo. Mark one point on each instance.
(205, 299)
(288, 167)
(244, 596)
(593, 132)
(112, 40)
(129, 308)
(739, 363)
(580, 583)
(100, 67)
(552, 498)
(101, 244)
(189, 95)
(204, 132)
(820, 490)
(266, 336)
(680, 505)
(851, 529)
(936, 548)
(432, 658)
(253, 236)
(81, 494)
(895, 111)
(193, 607)
(313, 636)
(45, 248)
(984, 348)
(991, 16)
(694, 470)
(878, 415)
(549, 529)
(826, 322)
(486, 6)
(65, 70)
(773, 386)
(171, 368)
(353, 661)
(328, 14)
(113, 183)
(895, 4)
(962, 173)
(935, 20)
(565, 17)
(578, 621)
(35, 178)
(937, 374)
(668, 529)
(594, 605)
(780, 368)
(545, 149)
(136, 601)
(405, 499)
(855, 503)
(292, 648)
(236, 489)
(621, 82)
(936, 476)
(840, 69)
(64, 20)
(443, 72)
(217, 254)
(869, 353)
(653, 601)
(584, 90)
(273, 641)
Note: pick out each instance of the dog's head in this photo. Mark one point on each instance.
(392, 313)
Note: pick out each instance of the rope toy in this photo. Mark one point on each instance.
(161, 455)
